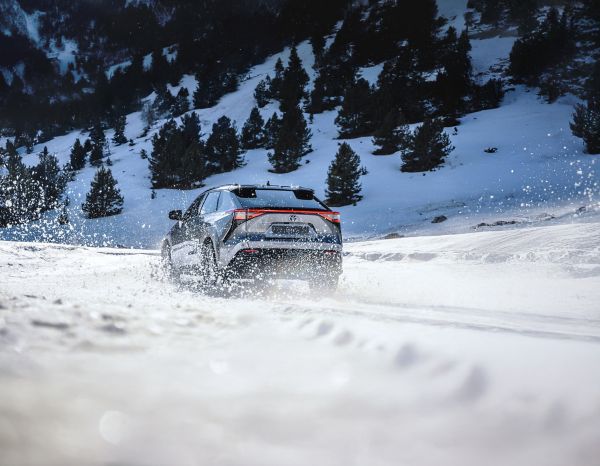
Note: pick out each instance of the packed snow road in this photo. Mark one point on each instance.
(468, 349)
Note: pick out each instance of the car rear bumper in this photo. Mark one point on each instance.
(230, 249)
(300, 263)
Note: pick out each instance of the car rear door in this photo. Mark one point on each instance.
(198, 228)
(181, 233)
(221, 221)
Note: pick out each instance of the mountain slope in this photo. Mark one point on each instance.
(539, 168)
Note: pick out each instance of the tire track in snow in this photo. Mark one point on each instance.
(462, 318)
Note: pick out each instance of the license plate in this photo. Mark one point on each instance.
(290, 230)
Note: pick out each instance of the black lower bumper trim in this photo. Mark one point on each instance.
(284, 263)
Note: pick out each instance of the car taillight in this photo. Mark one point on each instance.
(333, 217)
(243, 215)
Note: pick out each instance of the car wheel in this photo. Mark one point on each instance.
(208, 272)
(167, 263)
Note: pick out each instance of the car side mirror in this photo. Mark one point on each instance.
(176, 215)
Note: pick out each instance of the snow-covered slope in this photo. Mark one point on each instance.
(538, 171)
(472, 349)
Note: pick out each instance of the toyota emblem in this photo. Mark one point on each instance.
(293, 218)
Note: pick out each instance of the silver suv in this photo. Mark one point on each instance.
(256, 232)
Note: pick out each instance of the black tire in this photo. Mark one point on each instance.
(324, 283)
(208, 273)
(167, 264)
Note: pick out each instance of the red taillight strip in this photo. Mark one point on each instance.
(243, 215)
(333, 217)
(247, 214)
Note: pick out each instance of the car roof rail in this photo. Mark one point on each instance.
(264, 186)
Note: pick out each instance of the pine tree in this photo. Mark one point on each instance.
(164, 101)
(159, 71)
(524, 12)
(294, 82)
(253, 132)
(355, 117)
(210, 89)
(332, 80)
(97, 136)
(51, 180)
(164, 164)
(335, 75)
(293, 142)
(586, 125)
(20, 194)
(68, 173)
(98, 141)
(428, 147)
(96, 155)
(454, 83)
(78, 155)
(262, 93)
(488, 95)
(119, 137)
(230, 82)
(223, 147)
(317, 42)
(343, 186)
(400, 85)
(182, 103)
(277, 81)
(194, 163)
(549, 44)
(26, 139)
(104, 198)
(3, 154)
(317, 102)
(272, 127)
(63, 217)
(178, 158)
(393, 135)
(491, 11)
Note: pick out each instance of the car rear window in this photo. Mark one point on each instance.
(251, 198)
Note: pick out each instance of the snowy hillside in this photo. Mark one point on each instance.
(538, 171)
(470, 349)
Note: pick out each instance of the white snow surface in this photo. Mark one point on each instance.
(489, 54)
(470, 349)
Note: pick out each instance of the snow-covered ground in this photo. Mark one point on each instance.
(471, 349)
